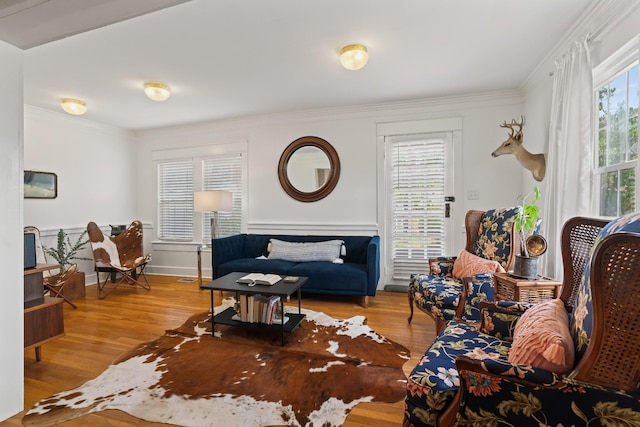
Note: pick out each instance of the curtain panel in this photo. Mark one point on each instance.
(569, 159)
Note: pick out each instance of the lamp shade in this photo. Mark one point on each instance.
(73, 106)
(157, 91)
(354, 56)
(212, 201)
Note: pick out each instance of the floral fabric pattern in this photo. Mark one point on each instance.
(489, 400)
(442, 266)
(500, 319)
(434, 381)
(495, 236)
(437, 295)
(479, 288)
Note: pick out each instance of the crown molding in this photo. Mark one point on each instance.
(600, 17)
(379, 111)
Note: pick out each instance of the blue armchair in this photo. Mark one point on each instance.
(462, 374)
(490, 235)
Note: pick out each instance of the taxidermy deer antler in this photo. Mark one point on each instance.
(513, 145)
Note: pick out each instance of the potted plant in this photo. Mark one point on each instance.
(64, 253)
(526, 221)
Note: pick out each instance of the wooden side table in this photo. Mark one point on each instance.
(511, 288)
(43, 316)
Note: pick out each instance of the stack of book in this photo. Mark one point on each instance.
(258, 308)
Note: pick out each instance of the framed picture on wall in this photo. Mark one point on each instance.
(40, 185)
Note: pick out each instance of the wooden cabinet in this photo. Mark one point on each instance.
(513, 288)
(43, 316)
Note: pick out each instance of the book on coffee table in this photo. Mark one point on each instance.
(259, 279)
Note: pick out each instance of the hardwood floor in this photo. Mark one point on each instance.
(98, 331)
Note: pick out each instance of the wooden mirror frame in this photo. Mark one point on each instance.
(334, 164)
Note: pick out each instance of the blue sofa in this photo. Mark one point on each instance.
(358, 275)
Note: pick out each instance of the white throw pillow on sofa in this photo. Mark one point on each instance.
(328, 250)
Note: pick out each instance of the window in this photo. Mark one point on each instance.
(178, 179)
(616, 162)
(223, 173)
(418, 185)
(175, 200)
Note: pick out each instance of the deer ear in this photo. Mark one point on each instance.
(518, 137)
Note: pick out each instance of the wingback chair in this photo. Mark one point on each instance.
(457, 368)
(491, 247)
(602, 385)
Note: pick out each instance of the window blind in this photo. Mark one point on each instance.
(223, 173)
(418, 206)
(175, 200)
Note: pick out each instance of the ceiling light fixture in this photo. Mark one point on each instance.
(73, 106)
(353, 56)
(157, 91)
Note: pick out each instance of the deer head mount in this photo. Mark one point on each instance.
(513, 145)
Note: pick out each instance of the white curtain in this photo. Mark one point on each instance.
(569, 158)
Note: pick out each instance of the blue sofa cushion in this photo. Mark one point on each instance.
(327, 277)
(434, 381)
(252, 265)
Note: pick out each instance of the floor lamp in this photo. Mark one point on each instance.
(211, 201)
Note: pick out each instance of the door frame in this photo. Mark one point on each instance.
(452, 125)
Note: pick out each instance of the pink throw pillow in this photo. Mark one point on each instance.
(468, 264)
(542, 338)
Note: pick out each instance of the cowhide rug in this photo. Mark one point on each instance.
(242, 377)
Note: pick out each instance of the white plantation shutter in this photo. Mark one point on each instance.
(175, 200)
(223, 173)
(418, 203)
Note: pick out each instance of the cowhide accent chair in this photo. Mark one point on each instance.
(472, 377)
(491, 240)
(54, 283)
(121, 254)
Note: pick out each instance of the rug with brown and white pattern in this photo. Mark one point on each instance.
(242, 377)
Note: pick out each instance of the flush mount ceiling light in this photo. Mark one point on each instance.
(157, 91)
(353, 56)
(73, 106)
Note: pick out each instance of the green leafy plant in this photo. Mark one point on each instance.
(527, 217)
(65, 252)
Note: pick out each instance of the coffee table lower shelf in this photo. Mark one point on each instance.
(226, 318)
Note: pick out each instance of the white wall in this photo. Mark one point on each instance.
(96, 168)
(612, 24)
(353, 207)
(11, 242)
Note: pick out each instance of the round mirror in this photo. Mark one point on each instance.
(309, 169)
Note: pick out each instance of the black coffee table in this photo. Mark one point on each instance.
(281, 289)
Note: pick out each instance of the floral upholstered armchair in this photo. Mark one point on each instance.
(569, 361)
(601, 387)
(490, 247)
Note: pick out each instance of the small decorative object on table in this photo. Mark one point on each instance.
(259, 279)
(526, 221)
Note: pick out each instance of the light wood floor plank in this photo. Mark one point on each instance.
(98, 331)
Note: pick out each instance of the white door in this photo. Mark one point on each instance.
(419, 197)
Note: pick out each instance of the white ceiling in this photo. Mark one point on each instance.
(234, 58)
